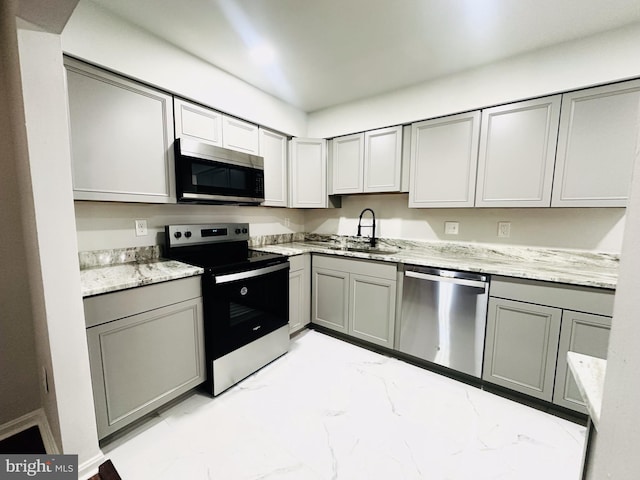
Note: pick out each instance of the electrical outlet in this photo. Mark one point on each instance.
(287, 222)
(504, 229)
(141, 228)
(451, 228)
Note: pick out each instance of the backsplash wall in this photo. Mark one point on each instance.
(106, 225)
(593, 229)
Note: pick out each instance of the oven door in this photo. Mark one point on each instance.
(244, 306)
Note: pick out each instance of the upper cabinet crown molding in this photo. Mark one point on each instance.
(444, 156)
(597, 146)
(121, 137)
(517, 152)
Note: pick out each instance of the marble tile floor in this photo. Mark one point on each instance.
(332, 410)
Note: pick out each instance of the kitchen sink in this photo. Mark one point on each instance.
(363, 249)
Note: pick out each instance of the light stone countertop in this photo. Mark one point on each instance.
(574, 267)
(105, 271)
(589, 373)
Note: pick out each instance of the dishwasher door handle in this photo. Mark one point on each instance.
(438, 278)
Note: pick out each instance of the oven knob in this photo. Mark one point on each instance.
(237, 231)
(244, 230)
(187, 234)
(177, 234)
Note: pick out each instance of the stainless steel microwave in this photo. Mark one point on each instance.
(209, 174)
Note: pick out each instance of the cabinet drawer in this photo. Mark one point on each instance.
(112, 306)
(571, 297)
(370, 268)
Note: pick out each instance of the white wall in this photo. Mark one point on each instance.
(599, 59)
(58, 283)
(19, 391)
(98, 36)
(598, 229)
(104, 225)
(616, 452)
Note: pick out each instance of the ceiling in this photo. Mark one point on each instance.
(317, 53)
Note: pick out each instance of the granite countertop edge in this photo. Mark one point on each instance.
(589, 373)
(571, 271)
(112, 278)
(119, 269)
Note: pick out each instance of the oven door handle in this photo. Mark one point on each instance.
(233, 277)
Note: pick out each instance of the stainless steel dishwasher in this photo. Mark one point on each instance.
(443, 317)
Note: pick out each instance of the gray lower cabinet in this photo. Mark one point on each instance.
(582, 333)
(147, 358)
(531, 326)
(521, 346)
(299, 289)
(356, 297)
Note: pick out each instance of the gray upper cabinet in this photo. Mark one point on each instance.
(367, 162)
(582, 333)
(383, 160)
(240, 135)
(198, 123)
(517, 153)
(308, 173)
(273, 148)
(121, 137)
(444, 155)
(597, 146)
(347, 161)
(521, 346)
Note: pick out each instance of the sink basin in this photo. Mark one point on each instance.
(376, 250)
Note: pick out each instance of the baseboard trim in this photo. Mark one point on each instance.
(36, 418)
(89, 468)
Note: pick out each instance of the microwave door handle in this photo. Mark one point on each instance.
(233, 277)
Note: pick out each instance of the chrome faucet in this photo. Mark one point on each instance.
(372, 226)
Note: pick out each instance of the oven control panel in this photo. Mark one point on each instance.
(201, 234)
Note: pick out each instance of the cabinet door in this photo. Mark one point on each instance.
(521, 346)
(372, 309)
(444, 157)
(299, 292)
(330, 299)
(348, 164)
(196, 122)
(140, 362)
(597, 146)
(121, 137)
(582, 333)
(240, 135)
(383, 160)
(273, 148)
(517, 154)
(308, 172)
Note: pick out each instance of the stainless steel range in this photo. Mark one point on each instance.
(245, 296)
